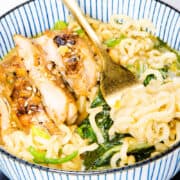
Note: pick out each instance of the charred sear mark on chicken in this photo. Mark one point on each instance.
(65, 39)
(26, 98)
(73, 57)
(56, 99)
(51, 66)
(69, 52)
(72, 64)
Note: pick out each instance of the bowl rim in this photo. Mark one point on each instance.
(94, 172)
(29, 1)
(91, 172)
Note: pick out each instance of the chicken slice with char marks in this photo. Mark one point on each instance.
(58, 102)
(27, 105)
(20, 100)
(73, 57)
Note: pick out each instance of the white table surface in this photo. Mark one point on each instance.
(6, 5)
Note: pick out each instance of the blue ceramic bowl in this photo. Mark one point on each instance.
(36, 16)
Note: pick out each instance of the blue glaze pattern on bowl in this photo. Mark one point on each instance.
(36, 16)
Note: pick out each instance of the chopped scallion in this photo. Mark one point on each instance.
(114, 41)
(36, 131)
(40, 157)
(60, 25)
(80, 32)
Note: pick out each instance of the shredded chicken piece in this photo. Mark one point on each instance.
(58, 102)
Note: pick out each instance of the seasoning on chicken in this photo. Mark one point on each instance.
(21, 99)
(73, 57)
(58, 102)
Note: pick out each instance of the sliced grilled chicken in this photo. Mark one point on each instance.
(21, 104)
(58, 102)
(73, 57)
(27, 105)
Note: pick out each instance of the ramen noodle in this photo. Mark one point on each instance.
(53, 113)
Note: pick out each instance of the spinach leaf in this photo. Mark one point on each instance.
(142, 152)
(85, 131)
(101, 156)
(104, 159)
(148, 79)
(103, 121)
(98, 101)
(90, 157)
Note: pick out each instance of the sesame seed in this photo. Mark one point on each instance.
(29, 88)
(26, 104)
